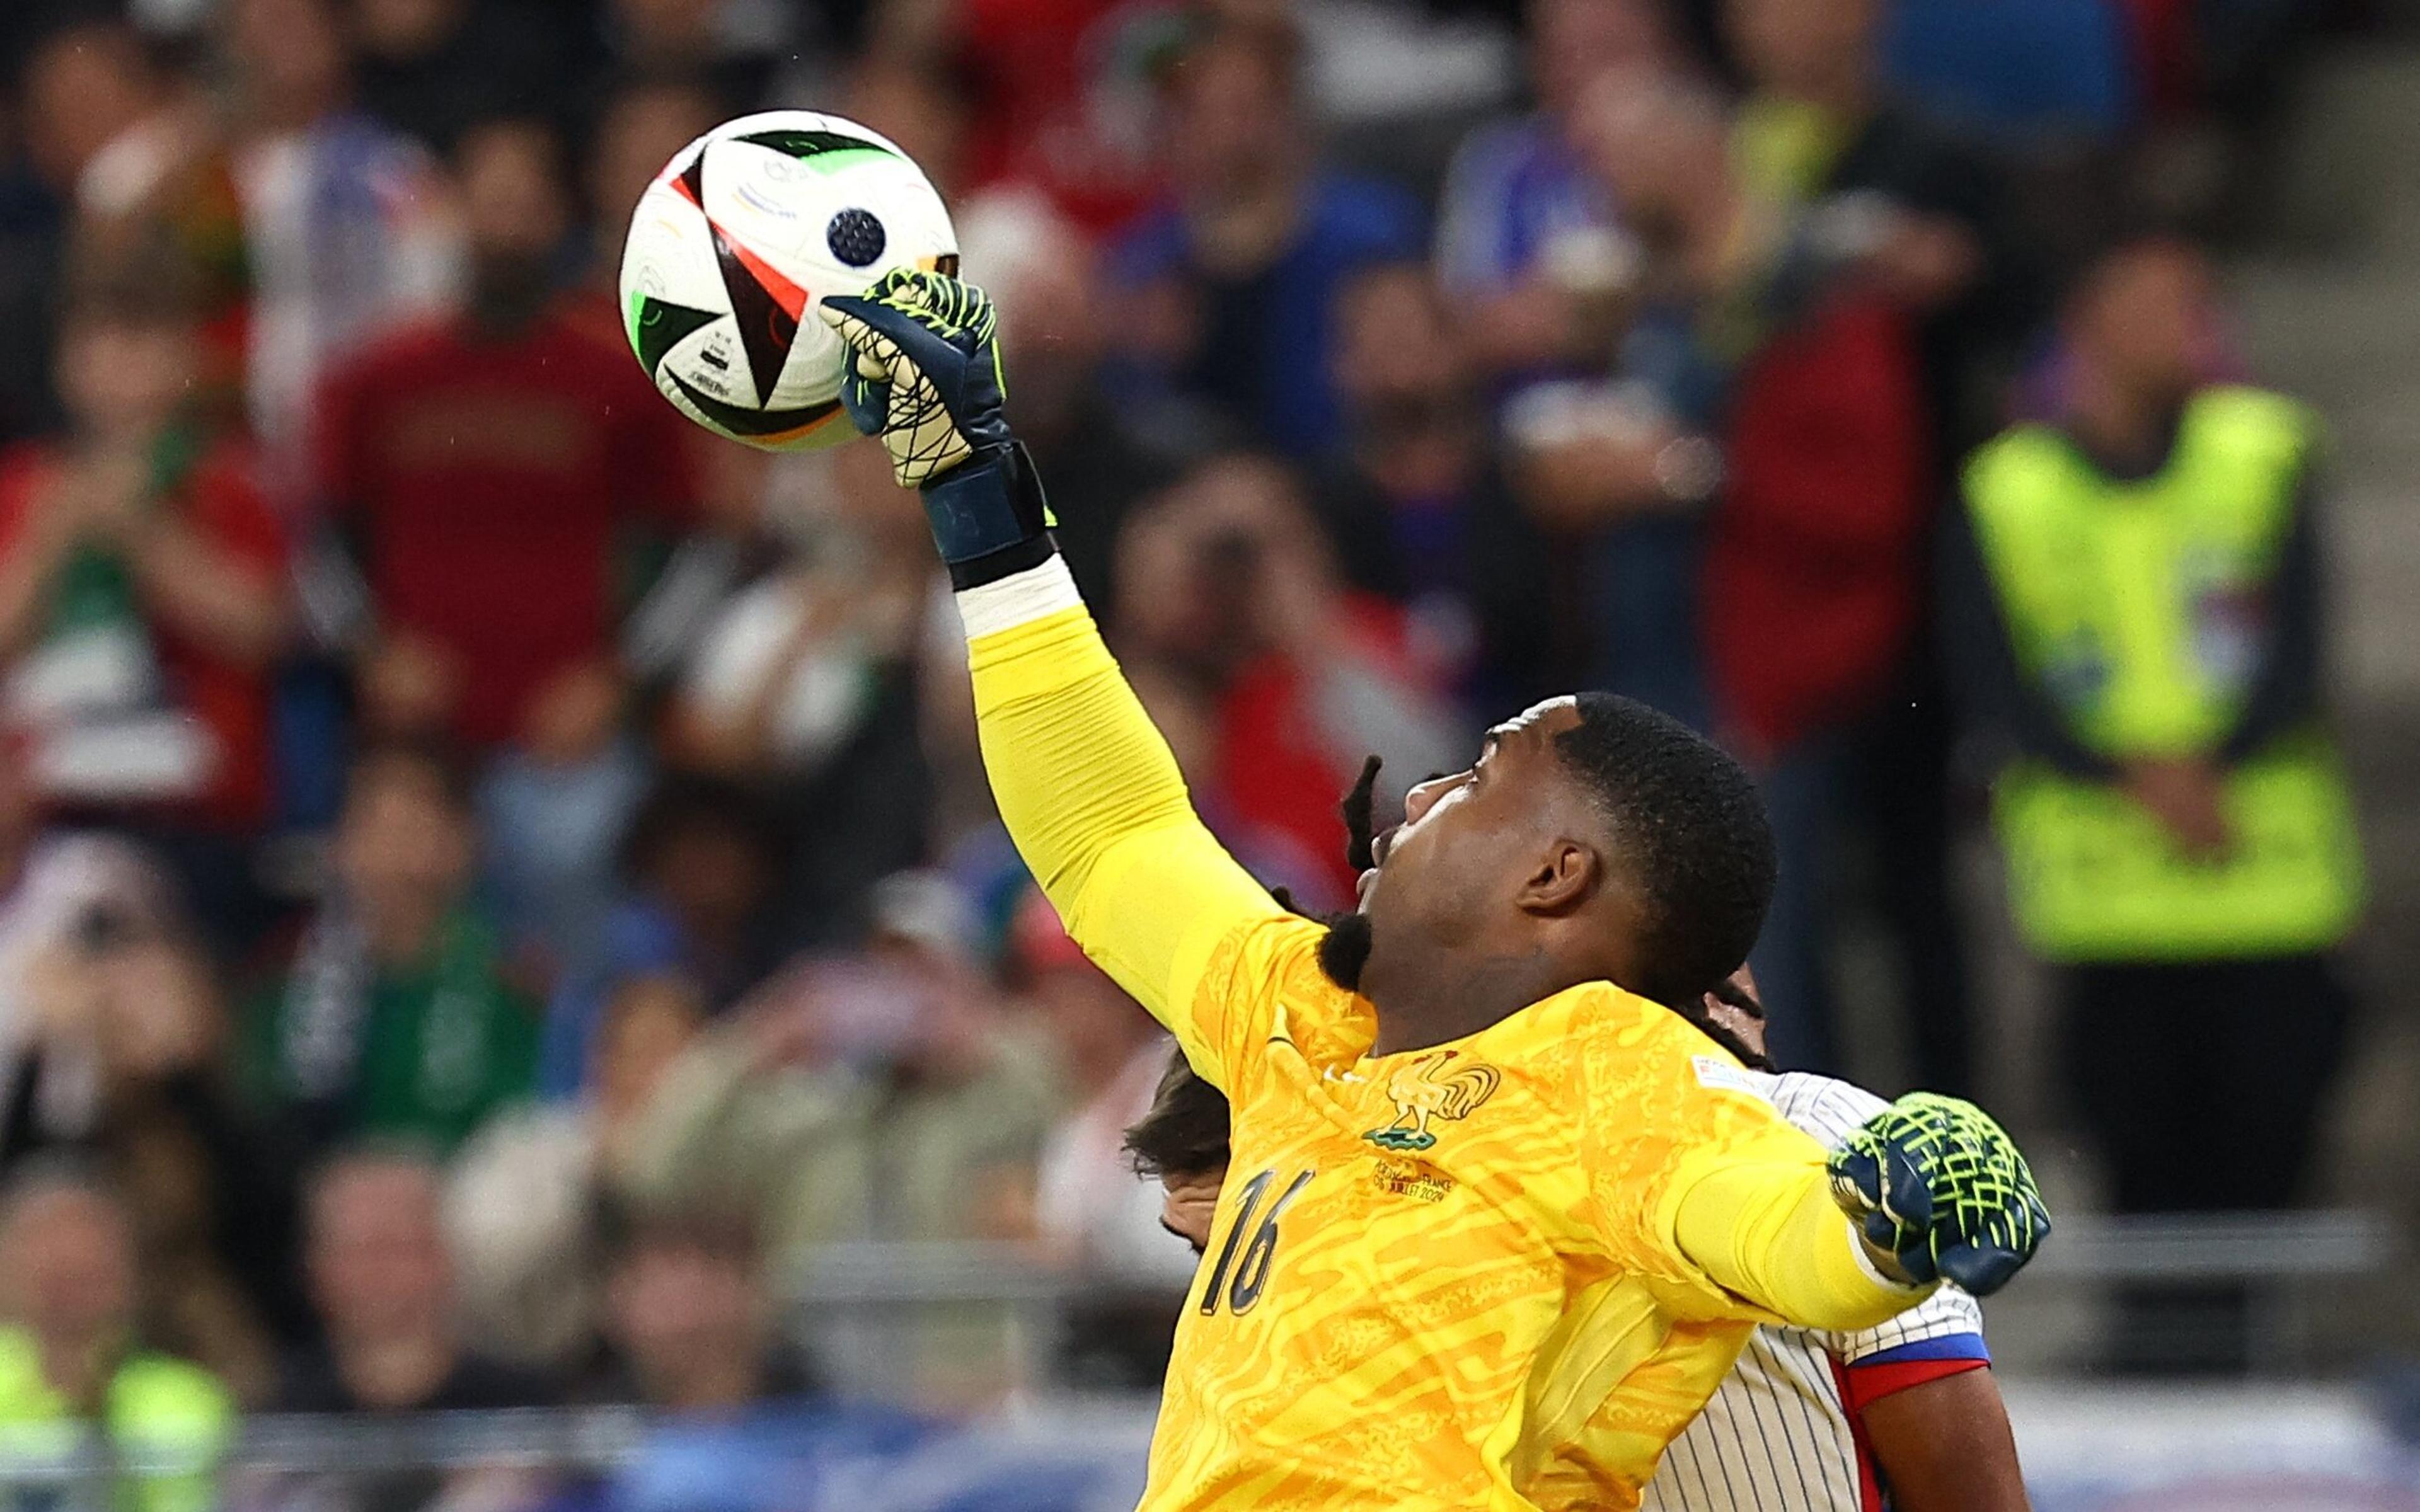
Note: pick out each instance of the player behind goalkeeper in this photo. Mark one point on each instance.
(1484, 1190)
(1906, 1412)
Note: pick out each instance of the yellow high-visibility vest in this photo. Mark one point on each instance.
(2133, 607)
(165, 1422)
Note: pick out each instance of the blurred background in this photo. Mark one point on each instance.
(511, 993)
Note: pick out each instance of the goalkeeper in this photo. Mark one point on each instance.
(1484, 1189)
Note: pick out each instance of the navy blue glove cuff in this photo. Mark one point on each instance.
(989, 515)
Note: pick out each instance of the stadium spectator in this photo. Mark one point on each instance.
(1418, 510)
(145, 171)
(1926, 213)
(452, 521)
(1530, 242)
(2137, 620)
(488, 472)
(736, 54)
(1704, 460)
(1063, 92)
(382, 1281)
(433, 69)
(886, 1095)
(1088, 1209)
(143, 595)
(72, 1359)
(698, 868)
(881, 1095)
(57, 885)
(523, 1199)
(836, 753)
(1104, 450)
(636, 132)
(792, 668)
(1814, 574)
(127, 1029)
(1927, 218)
(689, 1321)
(346, 227)
(1626, 471)
(1230, 289)
(398, 1018)
(1229, 601)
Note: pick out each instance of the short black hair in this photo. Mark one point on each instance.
(1690, 832)
(1185, 1133)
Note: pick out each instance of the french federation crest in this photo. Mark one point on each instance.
(1426, 1089)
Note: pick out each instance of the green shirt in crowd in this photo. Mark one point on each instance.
(423, 1053)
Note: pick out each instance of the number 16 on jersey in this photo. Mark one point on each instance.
(1252, 1269)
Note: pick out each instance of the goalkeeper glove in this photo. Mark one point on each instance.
(1938, 1191)
(924, 375)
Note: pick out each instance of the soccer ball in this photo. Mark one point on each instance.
(733, 243)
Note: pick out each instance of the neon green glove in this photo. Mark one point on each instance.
(1942, 1191)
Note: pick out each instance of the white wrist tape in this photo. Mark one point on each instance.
(1029, 595)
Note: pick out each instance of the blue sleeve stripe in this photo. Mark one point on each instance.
(1948, 1347)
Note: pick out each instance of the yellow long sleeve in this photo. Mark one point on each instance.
(1768, 1230)
(1097, 808)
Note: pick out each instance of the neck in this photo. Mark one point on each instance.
(1431, 468)
(1242, 225)
(716, 1381)
(2127, 428)
(401, 933)
(1845, 93)
(395, 1374)
(1446, 1001)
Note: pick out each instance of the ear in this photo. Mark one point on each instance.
(1564, 876)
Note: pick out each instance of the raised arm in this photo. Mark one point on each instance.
(1085, 784)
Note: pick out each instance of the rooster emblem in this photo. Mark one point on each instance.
(1425, 1090)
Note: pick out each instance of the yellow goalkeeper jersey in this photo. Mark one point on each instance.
(1431, 1270)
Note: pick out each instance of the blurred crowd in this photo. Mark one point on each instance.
(493, 880)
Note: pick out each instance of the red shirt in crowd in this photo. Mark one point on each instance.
(1042, 68)
(220, 502)
(1817, 553)
(486, 482)
(1280, 769)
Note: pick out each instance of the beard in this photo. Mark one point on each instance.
(1344, 949)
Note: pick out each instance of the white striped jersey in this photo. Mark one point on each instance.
(1776, 1436)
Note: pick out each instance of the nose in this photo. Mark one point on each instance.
(1424, 797)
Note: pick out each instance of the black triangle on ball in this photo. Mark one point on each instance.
(741, 420)
(657, 326)
(766, 329)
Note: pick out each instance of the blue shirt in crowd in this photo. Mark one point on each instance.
(1266, 339)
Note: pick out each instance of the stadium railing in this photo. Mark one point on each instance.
(848, 1307)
